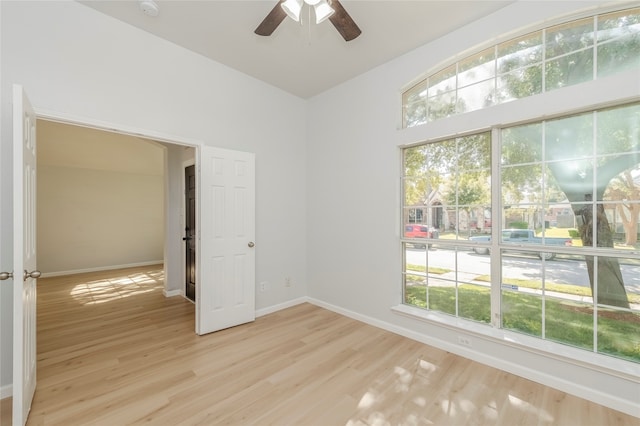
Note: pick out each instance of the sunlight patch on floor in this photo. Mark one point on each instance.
(114, 288)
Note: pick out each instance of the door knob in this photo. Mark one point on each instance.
(251, 244)
(5, 275)
(32, 274)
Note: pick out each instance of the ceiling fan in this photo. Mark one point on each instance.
(324, 9)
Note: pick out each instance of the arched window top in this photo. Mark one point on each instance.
(554, 57)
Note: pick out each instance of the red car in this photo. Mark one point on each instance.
(417, 230)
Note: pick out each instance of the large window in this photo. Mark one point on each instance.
(535, 63)
(531, 227)
(561, 239)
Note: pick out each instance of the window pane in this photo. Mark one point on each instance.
(414, 103)
(522, 144)
(618, 223)
(441, 106)
(416, 93)
(520, 52)
(474, 152)
(559, 312)
(477, 96)
(474, 289)
(415, 190)
(479, 67)
(441, 158)
(415, 161)
(570, 137)
(520, 83)
(619, 131)
(569, 37)
(443, 81)
(415, 280)
(521, 306)
(571, 179)
(619, 327)
(521, 184)
(441, 280)
(415, 114)
(624, 221)
(614, 278)
(618, 24)
(619, 333)
(569, 70)
(559, 216)
(619, 55)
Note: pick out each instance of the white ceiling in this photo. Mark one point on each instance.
(301, 59)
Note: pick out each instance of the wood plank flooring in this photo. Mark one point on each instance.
(112, 350)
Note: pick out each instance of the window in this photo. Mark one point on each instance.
(415, 215)
(542, 61)
(533, 226)
(569, 209)
(455, 175)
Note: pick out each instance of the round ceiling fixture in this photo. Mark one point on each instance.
(149, 8)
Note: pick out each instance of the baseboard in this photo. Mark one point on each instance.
(6, 391)
(101, 268)
(627, 406)
(281, 306)
(172, 293)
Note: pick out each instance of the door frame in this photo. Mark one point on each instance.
(74, 120)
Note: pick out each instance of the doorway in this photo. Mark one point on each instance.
(114, 199)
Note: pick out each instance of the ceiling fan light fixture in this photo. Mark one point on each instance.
(292, 8)
(323, 11)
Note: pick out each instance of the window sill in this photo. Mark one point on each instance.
(606, 364)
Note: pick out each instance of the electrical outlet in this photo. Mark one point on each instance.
(464, 341)
(264, 286)
(287, 282)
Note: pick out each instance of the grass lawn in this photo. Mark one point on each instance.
(565, 322)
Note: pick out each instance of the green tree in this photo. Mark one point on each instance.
(469, 192)
(623, 189)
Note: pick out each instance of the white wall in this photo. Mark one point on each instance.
(75, 61)
(97, 219)
(354, 175)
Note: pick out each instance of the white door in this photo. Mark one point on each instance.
(24, 255)
(225, 286)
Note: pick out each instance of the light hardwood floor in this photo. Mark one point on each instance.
(112, 350)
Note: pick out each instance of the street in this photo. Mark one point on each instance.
(562, 270)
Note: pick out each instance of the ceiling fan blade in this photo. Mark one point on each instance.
(343, 22)
(272, 20)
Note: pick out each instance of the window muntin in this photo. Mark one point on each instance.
(554, 177)
(545, 60)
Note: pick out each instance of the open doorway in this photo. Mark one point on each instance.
(108, 200)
